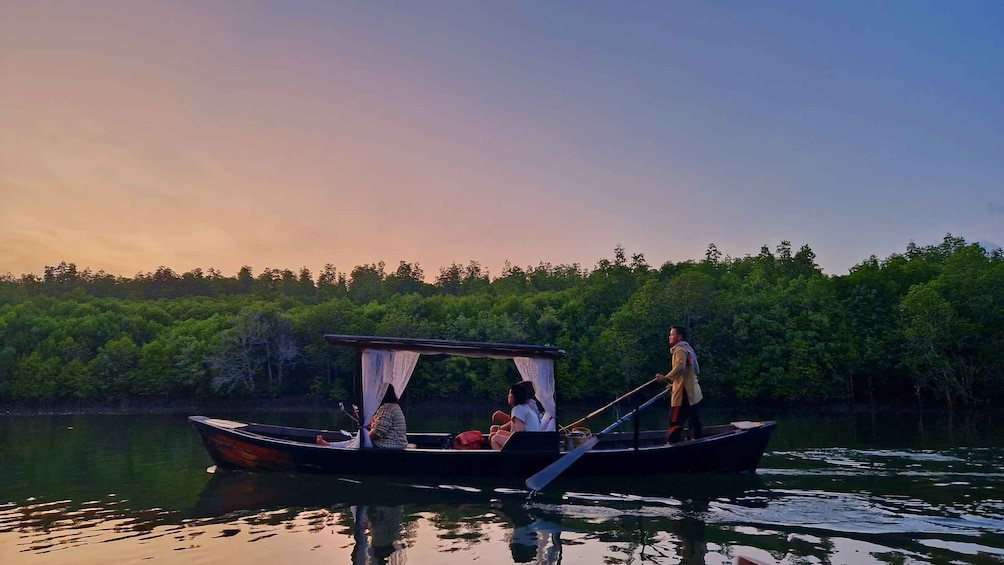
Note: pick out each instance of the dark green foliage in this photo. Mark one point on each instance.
(926, 325)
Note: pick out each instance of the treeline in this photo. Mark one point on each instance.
(925, 326)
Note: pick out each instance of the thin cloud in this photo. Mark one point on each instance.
(995, 209)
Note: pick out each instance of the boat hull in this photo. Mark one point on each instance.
(272, 448)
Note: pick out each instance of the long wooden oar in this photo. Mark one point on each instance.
(551, 472)
(599, 411)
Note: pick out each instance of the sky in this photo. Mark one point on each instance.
(296, 133)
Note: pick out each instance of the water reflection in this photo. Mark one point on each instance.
(383, 545)
(230, 492)
(693, 547)
(691, 531)
(663, 520)
(382, 535)
(385, 518)
(128, 490)
(536, 535)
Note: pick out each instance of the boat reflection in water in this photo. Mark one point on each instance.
(386, 518)
(231, 492)
(389, 522)
(382, 535)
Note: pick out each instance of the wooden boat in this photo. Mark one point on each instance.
(731, 448)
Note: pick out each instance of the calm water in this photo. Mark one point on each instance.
(832, 489)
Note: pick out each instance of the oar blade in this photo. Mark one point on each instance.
(543, 477)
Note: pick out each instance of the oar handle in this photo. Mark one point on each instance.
(630, 414)
(355, 419)
(599, 411)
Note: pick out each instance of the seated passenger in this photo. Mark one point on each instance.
(500, 417)
(522, 418)
(387, 428)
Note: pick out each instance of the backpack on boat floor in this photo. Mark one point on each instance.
(472, 439)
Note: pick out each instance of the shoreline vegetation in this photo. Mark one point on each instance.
(922, 329)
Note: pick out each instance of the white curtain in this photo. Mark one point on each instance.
(541, 373)
(381, 368)
(402, 365)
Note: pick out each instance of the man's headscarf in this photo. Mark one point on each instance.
(691, 355)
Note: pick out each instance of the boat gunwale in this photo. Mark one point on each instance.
(244, 432)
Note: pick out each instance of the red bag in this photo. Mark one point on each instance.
(469, 440)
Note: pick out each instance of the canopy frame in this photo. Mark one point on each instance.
(391, 360)
(472, 349)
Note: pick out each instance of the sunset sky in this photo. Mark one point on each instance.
(292, 133)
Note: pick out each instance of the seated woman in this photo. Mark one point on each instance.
(500, 417)
(387, 428)
(522, 418)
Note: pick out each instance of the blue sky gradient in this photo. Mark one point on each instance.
(288, 134)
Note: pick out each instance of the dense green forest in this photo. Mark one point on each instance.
(925, 327)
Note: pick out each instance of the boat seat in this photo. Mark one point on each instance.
(532, 441)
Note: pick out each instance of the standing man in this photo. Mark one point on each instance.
(686, 391)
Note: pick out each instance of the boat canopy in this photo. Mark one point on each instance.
(391, 360)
